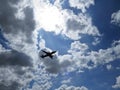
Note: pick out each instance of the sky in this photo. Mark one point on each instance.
(85, 34)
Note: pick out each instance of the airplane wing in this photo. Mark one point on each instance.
(53, 52)
(43, 56)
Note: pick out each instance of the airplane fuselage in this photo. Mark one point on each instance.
(48, 54)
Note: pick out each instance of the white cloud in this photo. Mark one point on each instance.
(102, 56)
(79, 24)
(37, 86)
(77, 46)
(59, 3)
(65, 87)
(115, 18)
(2, 49)
(66, 81)
(109, 67)
(81, 57)
(116, 42)
(81, 4)
(118, 68)
(117, 85)
(42, 43)
(42, 79)
(96, 41)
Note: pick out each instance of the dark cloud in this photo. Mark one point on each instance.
(14, 58)
(12, 25)
(52, 66)
(16, 70)
(14, 86)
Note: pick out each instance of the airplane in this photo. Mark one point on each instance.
(48, 54)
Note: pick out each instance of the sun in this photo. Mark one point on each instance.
(49, 17)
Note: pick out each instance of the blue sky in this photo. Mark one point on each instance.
(85, 34)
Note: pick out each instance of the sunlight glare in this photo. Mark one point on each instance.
(50, 18)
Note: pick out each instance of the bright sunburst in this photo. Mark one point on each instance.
(49, 17)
